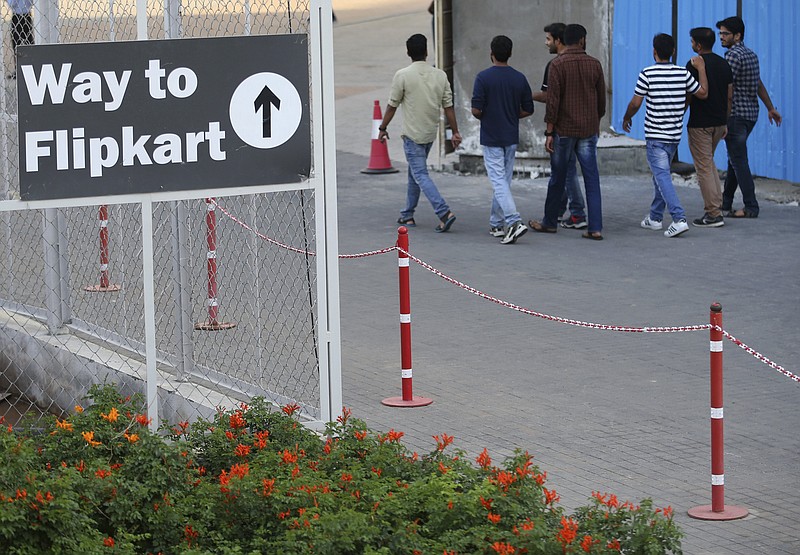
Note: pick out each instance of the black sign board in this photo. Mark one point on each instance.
(167, 115)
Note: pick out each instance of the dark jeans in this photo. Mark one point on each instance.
(739, 166)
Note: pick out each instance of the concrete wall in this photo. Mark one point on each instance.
(475, 22)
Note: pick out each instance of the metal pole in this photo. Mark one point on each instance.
(148, 277)
(51, 270)
(180, 288)
(717, 510)
(407, 399)
(213, 323)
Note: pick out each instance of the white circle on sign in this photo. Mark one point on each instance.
(265, 110)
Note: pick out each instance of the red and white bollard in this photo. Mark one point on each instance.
(213, 323)
(717, 510)
(407, 399)
(105, 285)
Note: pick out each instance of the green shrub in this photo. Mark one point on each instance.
(255, 481)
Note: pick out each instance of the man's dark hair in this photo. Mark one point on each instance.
(573, 33)
(556, 31)
(664, 46)
(417, 47)
(704, 36)
(733, 24)
(501, 48)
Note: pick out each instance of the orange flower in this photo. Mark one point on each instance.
(668, 512)
(291, 409)
(89, 437)
(132, 438)
(487, 503)
(101, 473)
(483, 459)
(443, 469)
(614, 544)
(288, 456)
(360, 435)
(504, 548)
(568, 532)
(112, 415)
(268, 486)
(78, 408)
(242, 450)
(64, 425)
(443, 442)
(494, 518)
(108, 542)
(240, 470)
(143, 420)
(505, 479)
(346, 412)
(237, 421)
(587, 543)
(550, 496)
(528, 524)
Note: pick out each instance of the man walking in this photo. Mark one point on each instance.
(423, 90)
(573, 198)
(501, 96)
(707, 124)
(665, 86)
(576, 100)
(747, 89)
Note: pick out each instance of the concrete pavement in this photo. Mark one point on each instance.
(621, 412)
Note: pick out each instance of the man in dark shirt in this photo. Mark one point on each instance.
(576, 100)
(707, 124)
(501, 96)
(747, 89)
(573, 198)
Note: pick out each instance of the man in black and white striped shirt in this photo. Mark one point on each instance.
(667, 88)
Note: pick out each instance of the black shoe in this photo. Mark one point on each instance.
(709, 221)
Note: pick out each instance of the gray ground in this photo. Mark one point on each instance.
(626, 413)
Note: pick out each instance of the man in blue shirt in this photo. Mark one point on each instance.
(501, 96)
(747, 89)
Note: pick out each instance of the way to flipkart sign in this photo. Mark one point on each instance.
(167, 115)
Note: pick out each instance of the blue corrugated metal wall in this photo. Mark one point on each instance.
(770, 25)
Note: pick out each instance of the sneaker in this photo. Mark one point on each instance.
(647, 223)
(708, 221)
(676, 228)
(514, 232)
(496, 231)
(573, 222)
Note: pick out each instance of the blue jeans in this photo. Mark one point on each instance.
(499, 162)
(585, 150)
(572, 198)
(659, 157)
(420, 180)
(739, 166)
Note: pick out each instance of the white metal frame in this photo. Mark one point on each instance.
(322, 182)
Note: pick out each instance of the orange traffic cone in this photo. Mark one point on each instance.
(379, 155)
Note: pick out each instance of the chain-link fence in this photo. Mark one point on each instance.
(235, 315)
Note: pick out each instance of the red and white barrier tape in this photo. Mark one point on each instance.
(295, 249)
(762, 358)
(512, 306)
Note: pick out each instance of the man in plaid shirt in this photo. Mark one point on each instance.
(747, 89)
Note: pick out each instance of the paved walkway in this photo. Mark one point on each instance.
(626, 413)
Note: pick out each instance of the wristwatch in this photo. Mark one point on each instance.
(549, 133)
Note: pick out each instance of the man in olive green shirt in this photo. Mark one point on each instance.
(423, 91)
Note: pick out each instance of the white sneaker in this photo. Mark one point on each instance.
(647, 223)
(676, 228)
(514, 232)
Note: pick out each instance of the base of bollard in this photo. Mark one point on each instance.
(704, 512)
(113, 288)
(214, 326)
(377, 171)
(414, 402)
